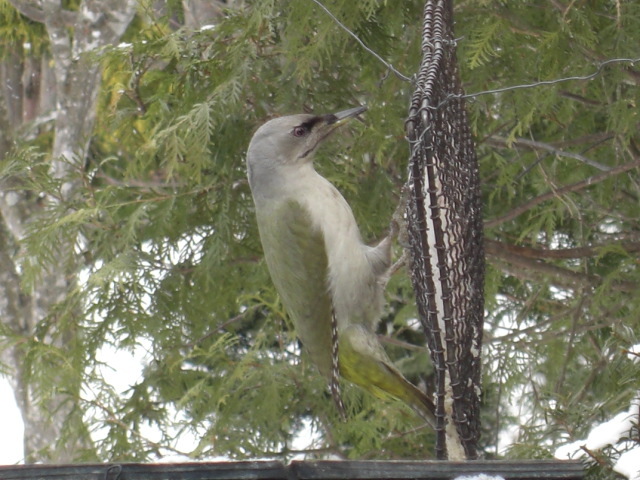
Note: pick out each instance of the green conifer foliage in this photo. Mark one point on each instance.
(172, 264)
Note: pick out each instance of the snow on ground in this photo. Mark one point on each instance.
(11, 450)
(615, 432)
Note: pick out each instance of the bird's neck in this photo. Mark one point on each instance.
(269, 181)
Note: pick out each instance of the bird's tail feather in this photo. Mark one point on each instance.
(363, 362)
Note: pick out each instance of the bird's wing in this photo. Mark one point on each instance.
(295, 253)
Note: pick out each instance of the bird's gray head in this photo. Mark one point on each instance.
(291, 140)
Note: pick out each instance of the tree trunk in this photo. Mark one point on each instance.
(50, 414)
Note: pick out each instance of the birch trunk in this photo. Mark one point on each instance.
(53, 423)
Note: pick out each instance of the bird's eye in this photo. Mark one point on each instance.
(299, 131)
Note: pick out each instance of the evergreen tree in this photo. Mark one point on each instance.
(157, 243)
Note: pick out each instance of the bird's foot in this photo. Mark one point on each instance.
(398, 264)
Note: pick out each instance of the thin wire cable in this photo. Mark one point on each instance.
(400, 75)
(362, 44)
(552, 82)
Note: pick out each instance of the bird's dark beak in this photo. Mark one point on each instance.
(339, 118)
(327, 124)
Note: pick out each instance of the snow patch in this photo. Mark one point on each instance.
(608, 433)
(91, 16)
(479, 476)
(11, 445)
(570, 451)
(629, 464)
(633, 353)
(11, 198)
(614, 432)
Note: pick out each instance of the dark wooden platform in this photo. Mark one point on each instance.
(299, 470)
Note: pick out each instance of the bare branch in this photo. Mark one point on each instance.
(536, 270)
(149, 185)
(558, 254)
(548, 148)
(593, 139)
(574, 187)
(579, 98)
